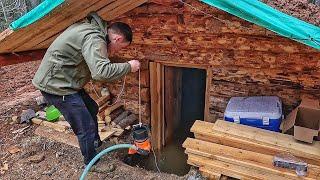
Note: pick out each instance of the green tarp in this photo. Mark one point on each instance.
(35, 14)
(263, 15)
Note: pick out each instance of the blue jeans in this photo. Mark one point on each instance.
(80, 110)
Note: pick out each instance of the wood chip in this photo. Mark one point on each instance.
(14, 149)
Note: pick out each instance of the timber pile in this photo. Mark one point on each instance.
(114, 116)
(59, 130)
(245, 152)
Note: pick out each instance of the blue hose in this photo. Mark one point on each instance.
(109, 149)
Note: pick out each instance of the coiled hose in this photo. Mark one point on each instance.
(109, 149)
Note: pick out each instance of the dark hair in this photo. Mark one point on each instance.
(123, 29)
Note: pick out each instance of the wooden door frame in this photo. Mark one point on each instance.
(156, 69)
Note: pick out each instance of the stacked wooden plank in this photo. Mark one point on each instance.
(245, 152)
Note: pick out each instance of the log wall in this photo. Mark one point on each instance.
(245, 59)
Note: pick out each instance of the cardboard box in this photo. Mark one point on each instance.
(305, 121)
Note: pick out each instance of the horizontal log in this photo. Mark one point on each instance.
(169, 23)
(222, 90)
(127, 121)
(289, 78)
(119, 118)
(225, 41)
(225, 57)
(116, 113)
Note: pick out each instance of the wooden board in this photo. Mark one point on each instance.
(62, 137)
(115, 106)
(37, 34)
(228, 169)
(64, 123)
(106, 135)
(254, 139)
(210, 174)
(57, 127)
(172, 100)
(118, 132)
(244, 158)
(49, 22)
(66, 137)
(256, 169)
(207, 95)
(156, 92)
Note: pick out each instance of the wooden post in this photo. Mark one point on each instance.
(207, 95)
(156, 104)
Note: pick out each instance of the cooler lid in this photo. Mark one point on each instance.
(254, 107)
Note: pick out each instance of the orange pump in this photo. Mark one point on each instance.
(141, 139)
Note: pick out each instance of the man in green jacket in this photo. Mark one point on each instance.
(78, 55)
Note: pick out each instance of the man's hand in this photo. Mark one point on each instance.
(135, 65)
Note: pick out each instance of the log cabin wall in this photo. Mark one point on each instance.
(245, 60)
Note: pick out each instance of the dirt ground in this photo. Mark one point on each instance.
(29, 156)
(301, 9)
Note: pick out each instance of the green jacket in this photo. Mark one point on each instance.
(76, 56)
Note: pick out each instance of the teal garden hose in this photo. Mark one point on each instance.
(109, 149)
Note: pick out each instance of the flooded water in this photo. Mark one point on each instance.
(171, 159)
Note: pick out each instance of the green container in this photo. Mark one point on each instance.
(52, 113)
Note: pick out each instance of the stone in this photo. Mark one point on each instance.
(27, 154)
(103, 168)
(15, 120)
(36, 158)
(4, 167)
(58, 154)
(50, 172)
